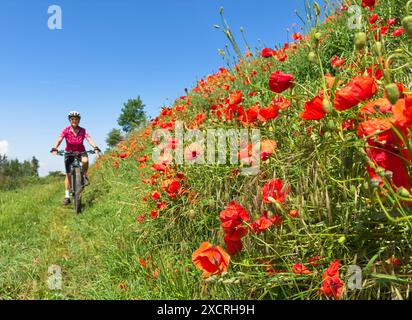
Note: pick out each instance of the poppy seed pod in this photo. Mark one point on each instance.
(360, 40)
(378, 48)
(404, 193)
(392, 92)
(407, 25)
(326, 105)
(331, 125)
(312, 57)
(318, 36)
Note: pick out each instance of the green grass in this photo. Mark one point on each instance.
(36, 232)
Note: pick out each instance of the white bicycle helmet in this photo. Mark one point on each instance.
(74, 114)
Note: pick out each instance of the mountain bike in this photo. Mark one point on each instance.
(77, 178)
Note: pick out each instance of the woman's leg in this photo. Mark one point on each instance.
(85, 162)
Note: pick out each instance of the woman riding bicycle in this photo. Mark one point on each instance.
(74, 135)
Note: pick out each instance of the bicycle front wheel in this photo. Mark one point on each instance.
(77, 188)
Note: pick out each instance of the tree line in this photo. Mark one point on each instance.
(14, 173)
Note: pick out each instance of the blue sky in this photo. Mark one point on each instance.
(107, 52)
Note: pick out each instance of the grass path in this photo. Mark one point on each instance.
(92, 249)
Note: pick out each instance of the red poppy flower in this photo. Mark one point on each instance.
(282, 103)
(142, 262)
(193, 151)
(141, 218)
(373, 126)
(373, 18)
(297, 36)
(158, 167)
(171, 186)
(337, 62)
(332, 287)
(233, 246)
(299, 268)
(398, 32)
(268, 113)
(236, 98)
(233, 215)
(262, 224)
(358, 90)
(267, 53)
(383, 31)
(279, 81)
(233, 110)
(162, 205)
(276, 190)
(250, 115)
(235, 234)
(402, 112)
(211, 260)
(143, 159)
(313, 109)
(382, 105)
(155, 195)
(391, 22)
(333, 269)
(154, 214)
(293, 213)
(391, 162)
(123, 155)
(368, 3)
(267, 147)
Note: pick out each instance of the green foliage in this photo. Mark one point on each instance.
(114, 137)
(14, 174)
(133, 115)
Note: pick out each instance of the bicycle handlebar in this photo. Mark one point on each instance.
(74, 153)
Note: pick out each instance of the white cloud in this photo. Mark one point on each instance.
(4, 146)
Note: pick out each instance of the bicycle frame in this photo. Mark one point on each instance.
(76, 188)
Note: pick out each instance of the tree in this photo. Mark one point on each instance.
(114, 137)
(133, 115)
(3, 164)
(35, 166)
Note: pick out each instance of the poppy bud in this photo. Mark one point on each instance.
(360, 40)
(318, 36)
(331, 125)
(326, 105)
(392, 92)
(378, 48)
(312, 57)
(407, 25)
(192, 214)
(352, 189)
(403, 192)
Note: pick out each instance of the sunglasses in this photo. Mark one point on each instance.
(71, 119)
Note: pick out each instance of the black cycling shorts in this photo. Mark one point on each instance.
(68, 160)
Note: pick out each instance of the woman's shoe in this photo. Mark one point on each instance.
(66, 201)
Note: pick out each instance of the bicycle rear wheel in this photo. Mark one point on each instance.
(77, 188)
